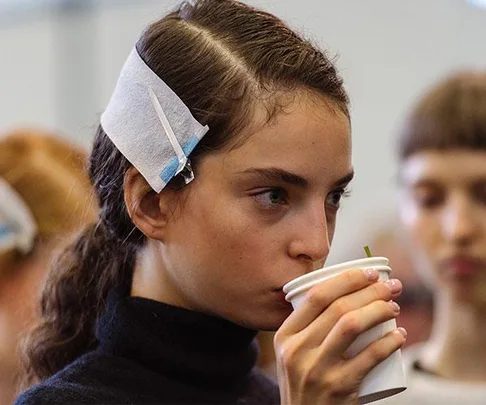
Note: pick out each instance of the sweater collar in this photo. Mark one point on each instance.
(176, 342)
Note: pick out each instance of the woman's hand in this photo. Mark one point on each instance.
(311, 343)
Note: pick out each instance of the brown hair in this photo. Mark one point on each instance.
(50, 176)
(218, 56)
(450, 115)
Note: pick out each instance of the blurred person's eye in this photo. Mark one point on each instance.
(479, 192)
(428, 198)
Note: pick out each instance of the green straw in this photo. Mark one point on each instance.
(368, 251)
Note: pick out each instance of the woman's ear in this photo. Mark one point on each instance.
(144, 205)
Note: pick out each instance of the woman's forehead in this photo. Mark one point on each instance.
(452, 165)
(285, 111)
(311, 141)
(304, 120)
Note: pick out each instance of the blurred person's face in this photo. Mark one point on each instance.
(259, 215)
(21, 280)
(444, 210)
(415, 301)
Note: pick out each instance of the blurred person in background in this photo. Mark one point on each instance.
(44, 197)
(442, 152)
(416, 300)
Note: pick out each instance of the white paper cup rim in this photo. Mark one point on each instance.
(365, 263)
(298, 289)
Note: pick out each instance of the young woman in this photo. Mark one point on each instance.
(43, 189)
(443, 178)
(161, 300)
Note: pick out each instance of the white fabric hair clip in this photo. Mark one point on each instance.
(17, 225)
(150, 125)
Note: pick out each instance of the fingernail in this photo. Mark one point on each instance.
(394, 285)
(402, 331)
(371, 274)
(394, 306)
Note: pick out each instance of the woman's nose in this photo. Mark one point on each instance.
(312, 239)
(458, 222)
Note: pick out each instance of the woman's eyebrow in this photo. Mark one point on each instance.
(344, 180)
(277, 174)
(417, 182)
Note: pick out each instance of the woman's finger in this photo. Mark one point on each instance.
(324, 323)
(320, 296)
(360, 365)
(356, 322)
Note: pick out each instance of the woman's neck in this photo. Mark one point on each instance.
(456, 348)
(149, 275)
(152, 279)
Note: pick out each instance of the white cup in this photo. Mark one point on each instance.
(388, 377)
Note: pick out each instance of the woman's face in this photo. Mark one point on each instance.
(444, 209)
(259, 215)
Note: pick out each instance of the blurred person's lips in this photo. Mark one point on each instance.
(464, 266)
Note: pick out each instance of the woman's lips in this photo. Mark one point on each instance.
(464, 266)
(281, 297)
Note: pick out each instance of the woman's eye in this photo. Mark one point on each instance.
(479, 191)
(272, 197)
(335, 197)
(429, 200)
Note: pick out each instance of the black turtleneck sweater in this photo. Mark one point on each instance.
(153, 353)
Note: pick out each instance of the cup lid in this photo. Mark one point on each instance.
(365, 263)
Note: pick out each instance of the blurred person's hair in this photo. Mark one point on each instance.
(416, 301)
(223, 59)
(50, 176)
(450, 115)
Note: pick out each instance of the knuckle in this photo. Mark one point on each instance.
(316, 297)
(336, 385)
(350, 324)
(328, 383)
(377, 352)
(278, 338)
(351, 278)
(298, 366)
(287, 353)
(340, 307)
(313, 377)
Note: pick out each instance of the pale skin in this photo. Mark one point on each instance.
(257, 216)
(444, 210)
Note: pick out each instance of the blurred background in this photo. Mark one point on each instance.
(60, 60)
